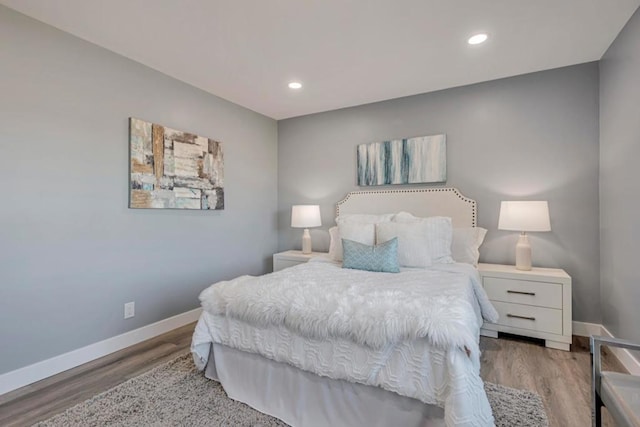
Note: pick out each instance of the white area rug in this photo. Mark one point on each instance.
(175, 393)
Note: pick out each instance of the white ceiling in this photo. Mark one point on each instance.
(345, 52)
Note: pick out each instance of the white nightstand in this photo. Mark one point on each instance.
(534, 303)
(290, 258)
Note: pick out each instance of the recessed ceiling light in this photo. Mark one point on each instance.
(478, 38)
(295, 85)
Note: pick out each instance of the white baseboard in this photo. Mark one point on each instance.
(30, 374)
(38, 371)
(624, 356)
(584, 329)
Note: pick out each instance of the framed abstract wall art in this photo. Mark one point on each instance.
(418, 160)
(171, 169)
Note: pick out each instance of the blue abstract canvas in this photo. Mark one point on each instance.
(418, 160)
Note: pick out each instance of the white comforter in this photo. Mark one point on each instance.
(408, 333)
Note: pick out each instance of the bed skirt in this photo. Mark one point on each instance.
(301, 398)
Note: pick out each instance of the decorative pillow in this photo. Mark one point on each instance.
(364, 218)
(413, 242)
(380, 258)
(466, 244)
(438, 236)
(358, 232)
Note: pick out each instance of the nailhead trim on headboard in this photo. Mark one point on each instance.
(415, 190)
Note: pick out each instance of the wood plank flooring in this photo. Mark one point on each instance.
(561, 378)
(41, 400)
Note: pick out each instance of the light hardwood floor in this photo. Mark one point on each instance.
(41, 400)
(561, 378)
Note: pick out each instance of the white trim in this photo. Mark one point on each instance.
(29, 374)
(583, 329)
(422, 202)
(624, 356)
(38, 371)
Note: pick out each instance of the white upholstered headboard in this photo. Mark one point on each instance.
(421, 202)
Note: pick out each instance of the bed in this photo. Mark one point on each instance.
(319, 345)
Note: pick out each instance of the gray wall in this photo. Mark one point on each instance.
(71, 252)
(620, 182)
(528, 137)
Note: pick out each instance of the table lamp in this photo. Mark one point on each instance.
(524, 216)
(305, 216)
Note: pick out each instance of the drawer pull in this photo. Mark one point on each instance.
(520, 317)
(521, 293)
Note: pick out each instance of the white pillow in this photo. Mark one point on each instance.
(439, 236)
(364, 218)
(334, 243)
(466, 244)
(406, 217)
(361, 233)
(413, 241)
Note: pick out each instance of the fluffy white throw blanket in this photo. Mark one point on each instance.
(322, 300)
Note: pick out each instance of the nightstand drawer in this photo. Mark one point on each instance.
(529, 317)
(541, 294)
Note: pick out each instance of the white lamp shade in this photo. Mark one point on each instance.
(524, 216)
(305, 216)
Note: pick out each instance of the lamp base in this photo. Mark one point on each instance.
(523, 253)
(306, 242)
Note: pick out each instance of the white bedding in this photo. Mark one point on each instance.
(320, 300)
(412, 362)
(300, 398)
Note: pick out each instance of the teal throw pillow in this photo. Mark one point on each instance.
(381, 258)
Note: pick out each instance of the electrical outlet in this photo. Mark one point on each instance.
(129, 310)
